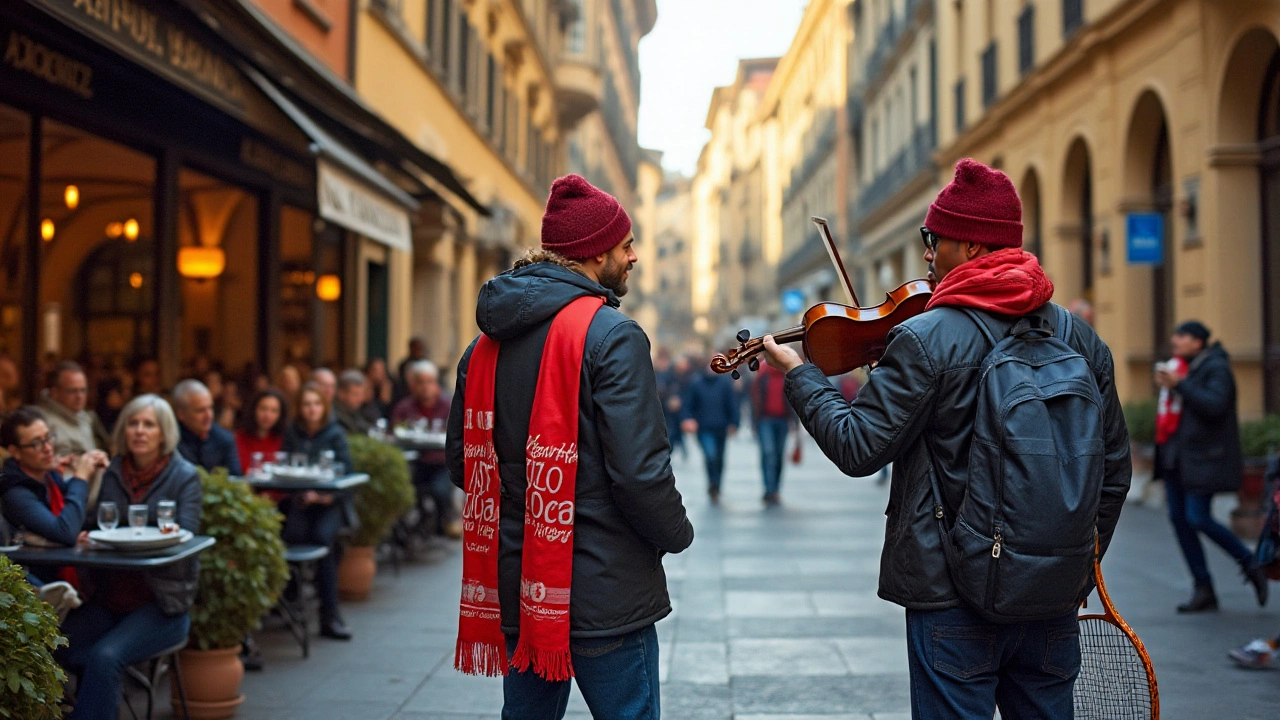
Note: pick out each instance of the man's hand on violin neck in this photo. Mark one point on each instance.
(780, 357)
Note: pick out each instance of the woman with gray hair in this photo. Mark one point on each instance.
(134, 615)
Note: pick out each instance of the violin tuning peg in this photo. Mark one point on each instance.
(744, 335)
(754, 364)
(737, 375)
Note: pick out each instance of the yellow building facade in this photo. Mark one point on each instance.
(1102, 111)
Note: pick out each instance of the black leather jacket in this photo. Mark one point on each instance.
(628, 510)
(917, 410)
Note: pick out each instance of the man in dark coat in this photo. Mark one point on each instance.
(1202, 458)
(917, 410)
(202, 441)
(713, 412)
(626, 512)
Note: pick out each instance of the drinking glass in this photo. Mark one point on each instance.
(256, 461)
(437, 425)
(339, 470)
(298, 460)
(281, 458)
(138, 518)
(108, 516)
(381, 426)
(166, 516)
(326, 459)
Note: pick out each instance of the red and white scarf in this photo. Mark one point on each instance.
(551, 470)
(1169, 406)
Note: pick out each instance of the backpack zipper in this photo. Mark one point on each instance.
(995, 549)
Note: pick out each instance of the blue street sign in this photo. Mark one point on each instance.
(792, 301)
(1144, 241)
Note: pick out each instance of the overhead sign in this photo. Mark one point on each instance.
(1144, 238)
(792, 301)
(355, 206)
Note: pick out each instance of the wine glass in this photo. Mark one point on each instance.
(138, 518)
(108, 516)
(166, 516)
(256, 461)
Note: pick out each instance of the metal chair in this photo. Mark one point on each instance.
(149, 680)
(302, 560)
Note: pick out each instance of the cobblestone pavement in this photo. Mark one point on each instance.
(776, 619)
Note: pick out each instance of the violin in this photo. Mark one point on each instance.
(837, 338)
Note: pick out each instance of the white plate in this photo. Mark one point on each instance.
(10, 548)
(150, 539)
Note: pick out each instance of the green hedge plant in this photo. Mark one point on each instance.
(30, 681)
(1260, 438)
(1140, 417)
(388, 494)
(242, 576)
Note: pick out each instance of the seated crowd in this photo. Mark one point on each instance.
(115, 436)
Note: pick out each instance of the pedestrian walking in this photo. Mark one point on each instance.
(670, 387)
(1201, 457)
(989, 543)
(773, 420)
(556, 434)
(711, 411)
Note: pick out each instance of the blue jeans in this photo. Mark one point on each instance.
(317, 525)
(712, 442)
(675, 436)
(103, 644)
(618, 677)
(773, 446)
(963, 667)
(1191, 515)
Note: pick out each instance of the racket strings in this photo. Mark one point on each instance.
(1113, 682)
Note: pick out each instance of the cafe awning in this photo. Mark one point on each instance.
(349, 191)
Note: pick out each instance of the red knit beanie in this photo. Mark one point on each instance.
(979, 206)
(582, 221)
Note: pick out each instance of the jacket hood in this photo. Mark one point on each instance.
(12, 476)
(1213, 353)
(518, 300)
(1007, 282)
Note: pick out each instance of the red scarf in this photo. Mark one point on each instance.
(56, 503)
(1169, 406)
(1005, 282)
(551, 470)
(138, 482)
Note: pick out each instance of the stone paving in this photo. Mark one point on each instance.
(776, 619)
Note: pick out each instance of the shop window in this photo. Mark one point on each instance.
(311, 327)
(15, 148)
(218, 263)
(97, 264)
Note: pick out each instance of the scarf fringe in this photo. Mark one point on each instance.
(479, 658)
(550, 665)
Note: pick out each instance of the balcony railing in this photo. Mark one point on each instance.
(990, 86)
(909, 162)
(1072, 17)
(825, 126)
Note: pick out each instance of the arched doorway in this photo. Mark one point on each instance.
(1077, 218)
(1249, 116)
(1032, 227)
(1149, 188)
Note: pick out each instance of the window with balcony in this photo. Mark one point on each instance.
(491, 83)
(446, 34)
(429, 35)
(575, 39)
(990, 87)
(960, 109)
(1072, 17)
(1027, 39)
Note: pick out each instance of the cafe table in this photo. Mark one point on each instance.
(107, 558)
(293, 484)
(418, 441)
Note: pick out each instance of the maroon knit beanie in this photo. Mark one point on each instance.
(979, 206)
(582, 221)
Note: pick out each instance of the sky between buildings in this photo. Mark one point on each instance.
(694, 48)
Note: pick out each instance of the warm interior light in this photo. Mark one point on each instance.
(328, 287)
(72, 196)
(135, 280)
(46, 229)
(115, 230)
(130, 229)
(201, 263)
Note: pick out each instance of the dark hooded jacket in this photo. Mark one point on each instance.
(25, 501)
(1206, 448)
(627, 510)
(218, 450)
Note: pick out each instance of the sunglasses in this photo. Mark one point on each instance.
(930, 239)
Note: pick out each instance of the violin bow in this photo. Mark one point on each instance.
(834, 254)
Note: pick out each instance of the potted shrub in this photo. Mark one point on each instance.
(1258, 439)
(241, 578)
(1140, 417)
(378, 504)
(30, 681)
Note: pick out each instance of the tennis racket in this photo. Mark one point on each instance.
(1117, 680)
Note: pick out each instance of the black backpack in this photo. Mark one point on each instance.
(1023, 540)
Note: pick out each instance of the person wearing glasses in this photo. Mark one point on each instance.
(39, 498)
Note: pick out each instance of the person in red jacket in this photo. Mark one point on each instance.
(262, 430)
(774, 421)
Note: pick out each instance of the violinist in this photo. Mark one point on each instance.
(918, 410)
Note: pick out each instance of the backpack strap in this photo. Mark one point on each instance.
(982, 325)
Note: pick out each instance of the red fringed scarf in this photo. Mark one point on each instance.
(56, 503)
(551, 469)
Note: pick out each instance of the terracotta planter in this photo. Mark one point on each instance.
(355, 573)
(211, 679)
(1247, 519)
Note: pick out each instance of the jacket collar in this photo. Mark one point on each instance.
(49, 405)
